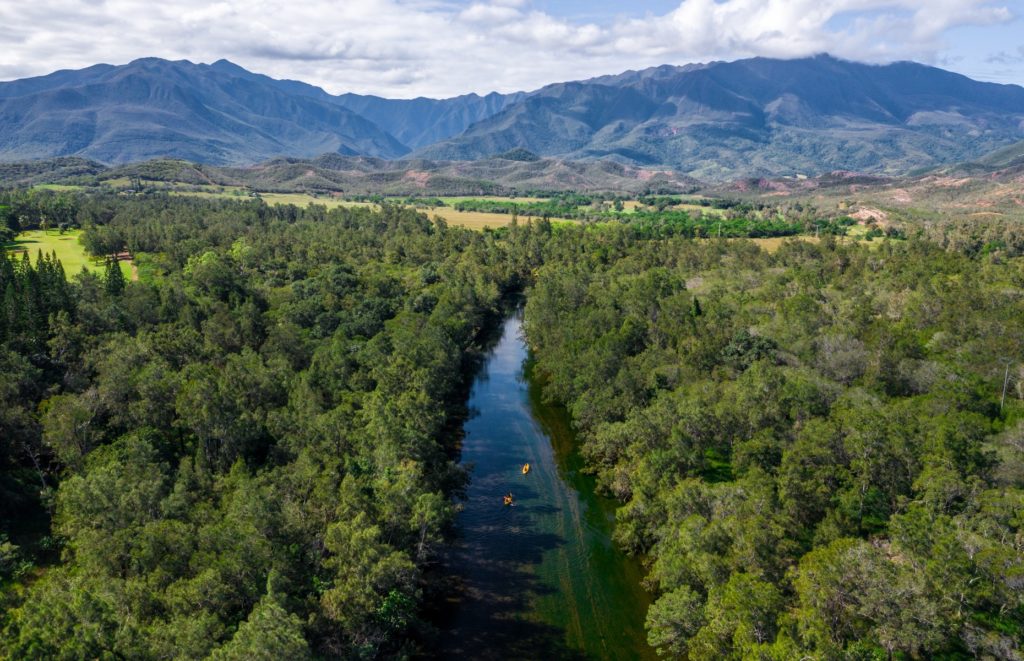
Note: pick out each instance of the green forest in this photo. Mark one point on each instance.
(252, 451)
(249, 456)
(812, 448)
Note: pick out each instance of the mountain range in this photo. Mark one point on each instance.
(722, 120)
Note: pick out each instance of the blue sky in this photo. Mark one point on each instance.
(994, 53)
(407, 48)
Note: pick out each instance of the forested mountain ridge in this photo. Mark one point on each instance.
(157, 108)
(334, 173)
(421, 122)
(759, 117)
(716, 121)
(218, 113)
(414, 122)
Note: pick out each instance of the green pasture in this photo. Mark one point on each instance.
(69, 251)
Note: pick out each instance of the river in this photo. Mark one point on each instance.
(541, 579)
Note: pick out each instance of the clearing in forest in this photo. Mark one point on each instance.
(69, 251)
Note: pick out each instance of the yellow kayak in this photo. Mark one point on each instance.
(508, 500)
(526, 468)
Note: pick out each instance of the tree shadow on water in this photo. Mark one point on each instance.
(491, 594)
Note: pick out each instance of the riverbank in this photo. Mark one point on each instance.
(542, 578)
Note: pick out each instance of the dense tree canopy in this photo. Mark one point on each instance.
(250, 452)
(809, 445)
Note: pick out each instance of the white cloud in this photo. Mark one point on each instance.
(404, 48)
(479, 13)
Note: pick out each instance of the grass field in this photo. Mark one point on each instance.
(120, 182)
(468, 219)
(303, 199)
(491, 198)
(227, 194)
(57, 187)
(772, 244)
(696, 208)
(69, 251)
(471, 219)
(477, 221)
(298, 199)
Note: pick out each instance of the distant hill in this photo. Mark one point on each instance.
(990, 186)
(49, 171)
(421, 122)
(156, 108)
(355, 175)
(1009, 156)
(414, 122)
(758, 117)
(718, 121)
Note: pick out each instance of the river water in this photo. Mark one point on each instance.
(541, 579)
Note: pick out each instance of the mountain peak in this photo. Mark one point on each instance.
(159, 62)
(157, 108)
(228, 66)
(752, 117)
(759, 116)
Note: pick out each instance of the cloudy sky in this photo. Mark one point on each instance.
(407, 48)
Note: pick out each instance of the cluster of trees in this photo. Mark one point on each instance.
(29, 210)
(569, 205)
(31, 294)
(659, 216)
(661, 202)
(811, 447)
(663, 224)
(995, 235)
(250, 453)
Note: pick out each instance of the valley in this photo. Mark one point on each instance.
(717, 360)
(723, 433)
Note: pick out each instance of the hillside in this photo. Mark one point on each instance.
(153, 108)
(720, 121)
(414, 122)
(364, 175)
(759, 117)
(421, 122)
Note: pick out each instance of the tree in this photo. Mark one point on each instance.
(366, 571)
(673, 620)
(113, 278)
(740, 619)
(268, 634)
(851, 591)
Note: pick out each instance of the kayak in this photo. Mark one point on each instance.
(526, 468)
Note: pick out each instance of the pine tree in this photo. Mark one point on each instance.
(12, 311)
(6, 270)
(113, 278)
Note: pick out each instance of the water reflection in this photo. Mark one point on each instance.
(540, 579)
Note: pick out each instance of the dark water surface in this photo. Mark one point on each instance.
(541, 579)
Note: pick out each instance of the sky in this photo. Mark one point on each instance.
(441, 48)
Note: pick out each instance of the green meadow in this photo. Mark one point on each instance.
(69, 251)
